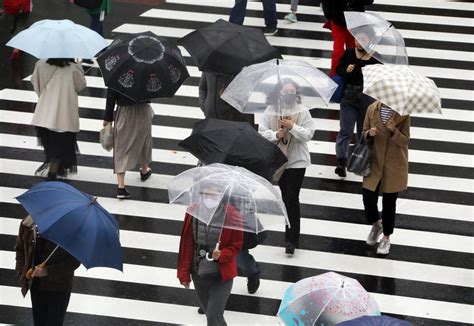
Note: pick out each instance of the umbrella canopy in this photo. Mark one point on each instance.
(258, 202)
(326, 299)
(251, 89)
(58, 39)
(234, 143)
(402, 89)
(375, 321)
(143, 66)
(377, 36)
(223, 47)
(76, 222)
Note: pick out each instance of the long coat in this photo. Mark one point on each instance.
(390, 152)
(60, 267)
(57, 88)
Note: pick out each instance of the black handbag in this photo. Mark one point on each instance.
(88, 4)
(361, 157)
(209, 269)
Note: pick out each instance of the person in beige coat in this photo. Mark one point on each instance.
(56, 117)
(390, 134)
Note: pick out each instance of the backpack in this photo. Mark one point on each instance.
(13, 7)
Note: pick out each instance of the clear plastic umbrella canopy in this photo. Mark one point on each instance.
(58, 39)
(254, 88)
(326, 299)
(402, 89)
(210, 190)
(378, 37)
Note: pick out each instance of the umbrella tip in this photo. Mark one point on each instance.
(94, 200)
(342, 286)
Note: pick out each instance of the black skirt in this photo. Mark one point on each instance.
(59, 148)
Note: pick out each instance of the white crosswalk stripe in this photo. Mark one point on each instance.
(427, 278)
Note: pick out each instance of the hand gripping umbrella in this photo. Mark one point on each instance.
(76, 222)
(234, 143)
(58, 39)
(223, 47)
(143, 66)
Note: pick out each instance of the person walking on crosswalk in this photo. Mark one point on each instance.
(390, 134)
(292, 132)
(56, 117)
(133, 143)
(237, 15)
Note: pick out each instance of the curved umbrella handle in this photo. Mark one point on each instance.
(209, 255)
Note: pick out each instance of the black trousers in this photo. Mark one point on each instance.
(49, 308)
(290, 185)
(389, 201)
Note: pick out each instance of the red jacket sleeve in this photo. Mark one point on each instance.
(233, 246)
(186, 247)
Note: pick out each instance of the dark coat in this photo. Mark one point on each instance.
(211, 86)
(334, 9)
(389, 164)
(60, 267)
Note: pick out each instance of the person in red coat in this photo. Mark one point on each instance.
(197, 239)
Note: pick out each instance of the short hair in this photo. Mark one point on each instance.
(60, 62)
(274, 94)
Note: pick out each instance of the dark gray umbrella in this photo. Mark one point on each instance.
(224, 47)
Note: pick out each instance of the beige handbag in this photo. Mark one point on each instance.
(107, 137)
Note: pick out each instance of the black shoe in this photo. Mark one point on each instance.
(51, 177)
(253, 283)
(145, 176)
(201, 311)
(269, 31)
(290, 248)
(122, 193)
(341, 171)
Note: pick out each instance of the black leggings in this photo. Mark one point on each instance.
(290, 185)
(389, 201)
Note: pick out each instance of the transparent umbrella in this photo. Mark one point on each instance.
(378, 37)
(402, 89)
(251, 90)
(326, 299)
(210, 190)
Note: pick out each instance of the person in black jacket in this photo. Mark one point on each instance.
(334, 13)
(354, 103)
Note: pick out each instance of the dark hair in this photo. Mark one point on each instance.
(60, 62)
(369, 32)
(274, 95)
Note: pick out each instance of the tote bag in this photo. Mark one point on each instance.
(340, 81)
(107, 137)
(360, 159)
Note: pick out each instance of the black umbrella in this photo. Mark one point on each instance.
(224, 47)
(143, 66)
(234, 143)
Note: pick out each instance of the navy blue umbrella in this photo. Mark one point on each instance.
(375, 321)
(76, 222)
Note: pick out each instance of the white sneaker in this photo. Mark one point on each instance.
(375, 233)
(384, 247)
(291, 17)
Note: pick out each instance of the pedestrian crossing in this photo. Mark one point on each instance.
(428, 276)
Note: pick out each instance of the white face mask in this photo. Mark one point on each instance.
(210, 203)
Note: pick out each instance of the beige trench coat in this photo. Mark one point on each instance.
(57, 88)
(390, 152)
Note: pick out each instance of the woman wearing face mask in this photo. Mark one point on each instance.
(290, 126)
(354, 103)
(197, 238)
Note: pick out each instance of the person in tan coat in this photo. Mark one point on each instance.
(390, 134)
(56, 117)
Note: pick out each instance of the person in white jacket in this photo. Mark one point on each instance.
(286, 123)
(56, 117)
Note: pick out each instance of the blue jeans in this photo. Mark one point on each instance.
(237, 14)
(353, 108)
(247, 264)
(96, 24)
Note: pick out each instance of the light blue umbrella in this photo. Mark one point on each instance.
(58, 39)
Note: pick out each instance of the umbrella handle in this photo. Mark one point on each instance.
(31, 270)
(209, 255)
